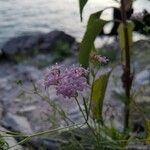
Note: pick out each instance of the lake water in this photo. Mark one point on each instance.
(20, 16)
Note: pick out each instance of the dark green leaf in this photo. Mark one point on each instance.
(94, 26)
(82, 3)
(98, 94)
(19, 82)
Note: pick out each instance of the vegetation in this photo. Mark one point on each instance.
(71, 82)
(3, 143)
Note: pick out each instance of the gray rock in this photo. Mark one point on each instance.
(27, 72)
(39, 42)
(143, 78)
(16, 123)
(53, 37)
(140, 56)
(114, 46)
(1, 110)
(4, 83)
(22, 44)
(47, 143)
(27, 109)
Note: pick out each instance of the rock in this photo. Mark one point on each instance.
(53, 37)
(16, 123)
(143, 78)
(140, 55)
(1, 110)
(1, 55)
(34, 43)
(40, 61)
(75, 115)
(27, 72)
(112, 46)
(47, 143)
(27, 109)
(141, 84)
(10, 140)
(22, 44)
(0, 52)
(4, 84)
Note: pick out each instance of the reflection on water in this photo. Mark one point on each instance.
(18, 16)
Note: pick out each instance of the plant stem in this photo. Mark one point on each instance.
(87, 123)
(126, 77)
(28, 137)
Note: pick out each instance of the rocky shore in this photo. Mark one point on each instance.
(22, 61)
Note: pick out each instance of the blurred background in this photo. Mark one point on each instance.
(19, 16)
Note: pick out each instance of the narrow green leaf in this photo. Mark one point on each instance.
(98, 94)
(147, 126)
(130, 27)
(94, 26)
(82, 3)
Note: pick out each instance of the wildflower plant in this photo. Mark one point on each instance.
(85, 85)
(67, 81)
(80, 84)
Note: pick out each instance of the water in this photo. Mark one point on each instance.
(20, 16)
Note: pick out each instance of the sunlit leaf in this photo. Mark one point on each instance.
(94, 26)
(98, 94)
(82, 3)
(130, 27)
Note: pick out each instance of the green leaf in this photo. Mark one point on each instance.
(98, 94)
(19, 82)
(82, 3)
(130, 27)
(147, 125)
(94, 26)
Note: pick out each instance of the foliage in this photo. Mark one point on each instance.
(3, 144)
(94, 27)
(61, 50)
(71, 82)
(82, 3)
(130, 27)
(98, 93)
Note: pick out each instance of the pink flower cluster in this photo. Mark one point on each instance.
(67, 81)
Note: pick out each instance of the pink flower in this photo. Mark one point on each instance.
(52, 76)
(67, 81)
(100, 59)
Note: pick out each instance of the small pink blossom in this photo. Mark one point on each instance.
(100, 59)
(52, 76)
(67, 81)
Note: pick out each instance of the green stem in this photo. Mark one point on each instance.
(86, 122)
(81, 110)
(28, 137)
